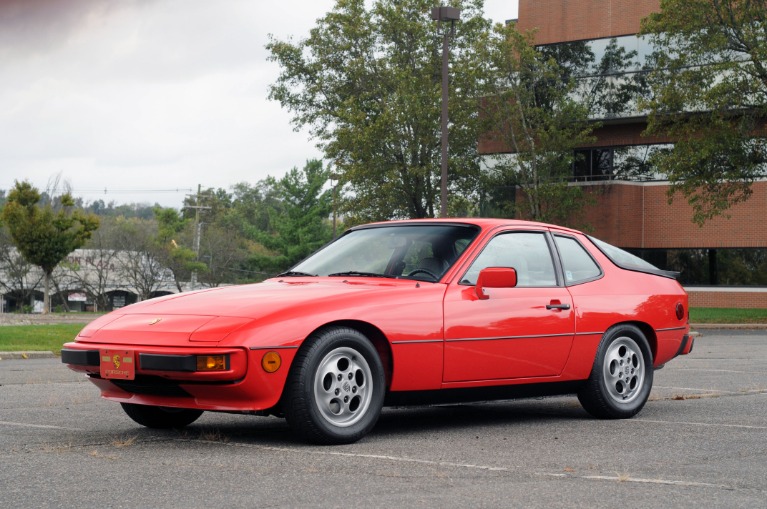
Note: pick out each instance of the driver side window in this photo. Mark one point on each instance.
(526, 252)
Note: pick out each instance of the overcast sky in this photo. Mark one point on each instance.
(146, 99)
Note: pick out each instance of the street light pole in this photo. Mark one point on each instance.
(441, 14)
(334, 177)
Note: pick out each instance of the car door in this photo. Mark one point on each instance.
(520, 332)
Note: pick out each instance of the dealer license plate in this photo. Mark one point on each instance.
(117, 364)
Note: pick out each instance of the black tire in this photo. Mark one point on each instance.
(161, 417)
(622, 376)
(335, 389)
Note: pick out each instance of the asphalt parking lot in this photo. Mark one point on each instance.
(701, 441)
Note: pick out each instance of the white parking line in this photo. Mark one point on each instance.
(658, 481)
(616, 478)
(39, 426)
(709, 370)
(703, 424)
(694, 389)
(449, 464)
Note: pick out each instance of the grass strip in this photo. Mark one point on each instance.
(727, 315)
(37, 338)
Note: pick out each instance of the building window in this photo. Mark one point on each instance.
(610, 73)
(711, 266)
(632, 163)
(593, 164)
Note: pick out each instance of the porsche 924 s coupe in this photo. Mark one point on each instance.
(420, 311)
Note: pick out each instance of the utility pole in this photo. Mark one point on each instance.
(197, 232)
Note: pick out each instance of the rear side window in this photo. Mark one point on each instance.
(628, 261)
(579, 266)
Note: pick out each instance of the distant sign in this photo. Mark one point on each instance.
(77, 297)
(118, 301)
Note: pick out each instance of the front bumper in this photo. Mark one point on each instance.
(172, 363)
(168, 377)
(150, 362)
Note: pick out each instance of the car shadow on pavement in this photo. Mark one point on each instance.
(408, 422)
(464, 416)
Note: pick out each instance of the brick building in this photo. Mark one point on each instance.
(718, 259)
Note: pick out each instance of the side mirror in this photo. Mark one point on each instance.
(495, 277)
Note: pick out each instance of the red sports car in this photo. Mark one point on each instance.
(420, 311)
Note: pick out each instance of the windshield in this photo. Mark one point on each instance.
(424, 252)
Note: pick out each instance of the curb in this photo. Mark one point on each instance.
(27, 355)
(735, 326)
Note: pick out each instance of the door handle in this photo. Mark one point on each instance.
(557, 306)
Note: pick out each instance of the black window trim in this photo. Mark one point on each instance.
(553, 253)
(561, 261)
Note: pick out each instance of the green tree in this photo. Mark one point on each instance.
(366, 82)
(709, 95)
(232, 229)
(302, 226)
(174, 236)
(253, 206)
(532, 111)
(45, 235)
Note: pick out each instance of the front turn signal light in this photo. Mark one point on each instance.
(271, 362)
(212, 363)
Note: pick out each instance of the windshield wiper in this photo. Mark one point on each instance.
(356, 273)
(295, 273)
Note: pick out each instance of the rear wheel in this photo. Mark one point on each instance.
(335, 389)
(621, 378)
(161, 417)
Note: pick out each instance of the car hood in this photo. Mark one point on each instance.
(259, 299)
(210, 315)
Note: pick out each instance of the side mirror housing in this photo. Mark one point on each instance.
(495, 277)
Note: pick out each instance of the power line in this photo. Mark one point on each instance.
(129, 191)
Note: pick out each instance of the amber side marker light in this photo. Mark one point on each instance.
(271, 362)
(211, 363)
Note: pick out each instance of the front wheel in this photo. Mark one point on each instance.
(161, 417)
(335, 389)
(621, 378)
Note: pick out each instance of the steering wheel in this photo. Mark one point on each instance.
(427, 272)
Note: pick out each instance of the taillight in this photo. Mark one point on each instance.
(679, 311)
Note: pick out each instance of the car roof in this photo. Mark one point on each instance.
(482, 222)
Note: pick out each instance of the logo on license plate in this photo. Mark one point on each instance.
(117, 364)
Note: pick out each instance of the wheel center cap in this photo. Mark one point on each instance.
(346, 387)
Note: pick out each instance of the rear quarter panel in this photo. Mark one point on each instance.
(624, 296)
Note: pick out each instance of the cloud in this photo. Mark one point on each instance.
(146, 94)
(141, 94)
(29, 27)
